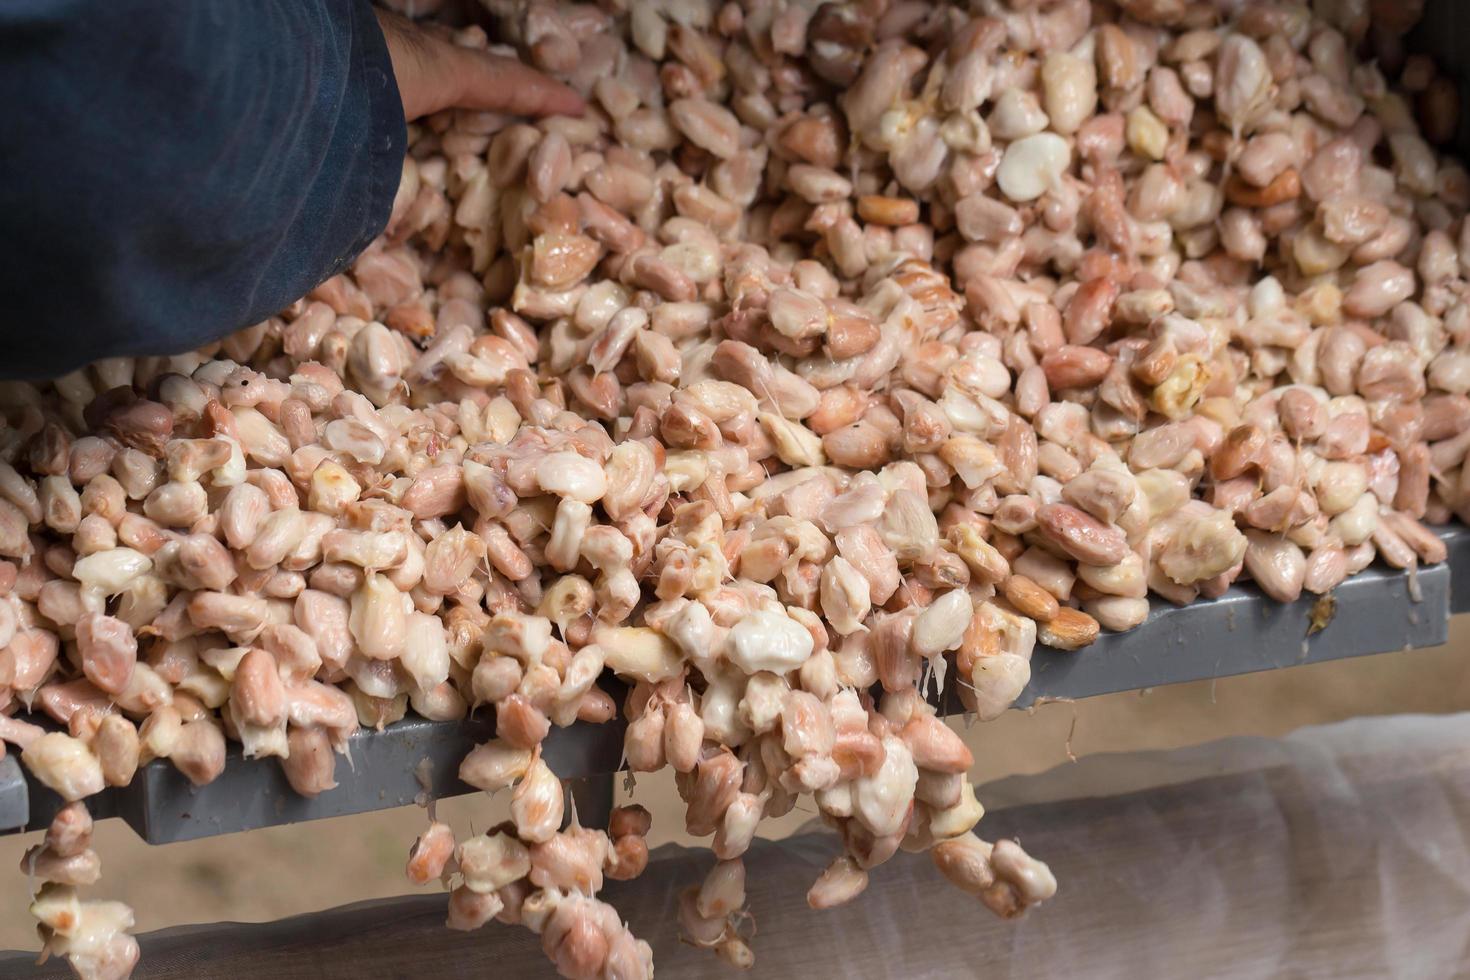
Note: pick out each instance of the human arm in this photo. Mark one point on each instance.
(180, 170)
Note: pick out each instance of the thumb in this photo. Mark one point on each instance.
(499, 84)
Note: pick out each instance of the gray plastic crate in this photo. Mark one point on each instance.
(1377, 611)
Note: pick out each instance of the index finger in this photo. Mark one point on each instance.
(499, 84)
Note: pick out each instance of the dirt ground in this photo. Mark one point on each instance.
(281, 871)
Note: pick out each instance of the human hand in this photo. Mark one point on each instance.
(435, 74)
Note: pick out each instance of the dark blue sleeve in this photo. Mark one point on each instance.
(173, 170)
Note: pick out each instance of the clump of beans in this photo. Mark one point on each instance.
(841, 351)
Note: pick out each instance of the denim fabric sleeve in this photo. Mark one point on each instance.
(171, 171)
